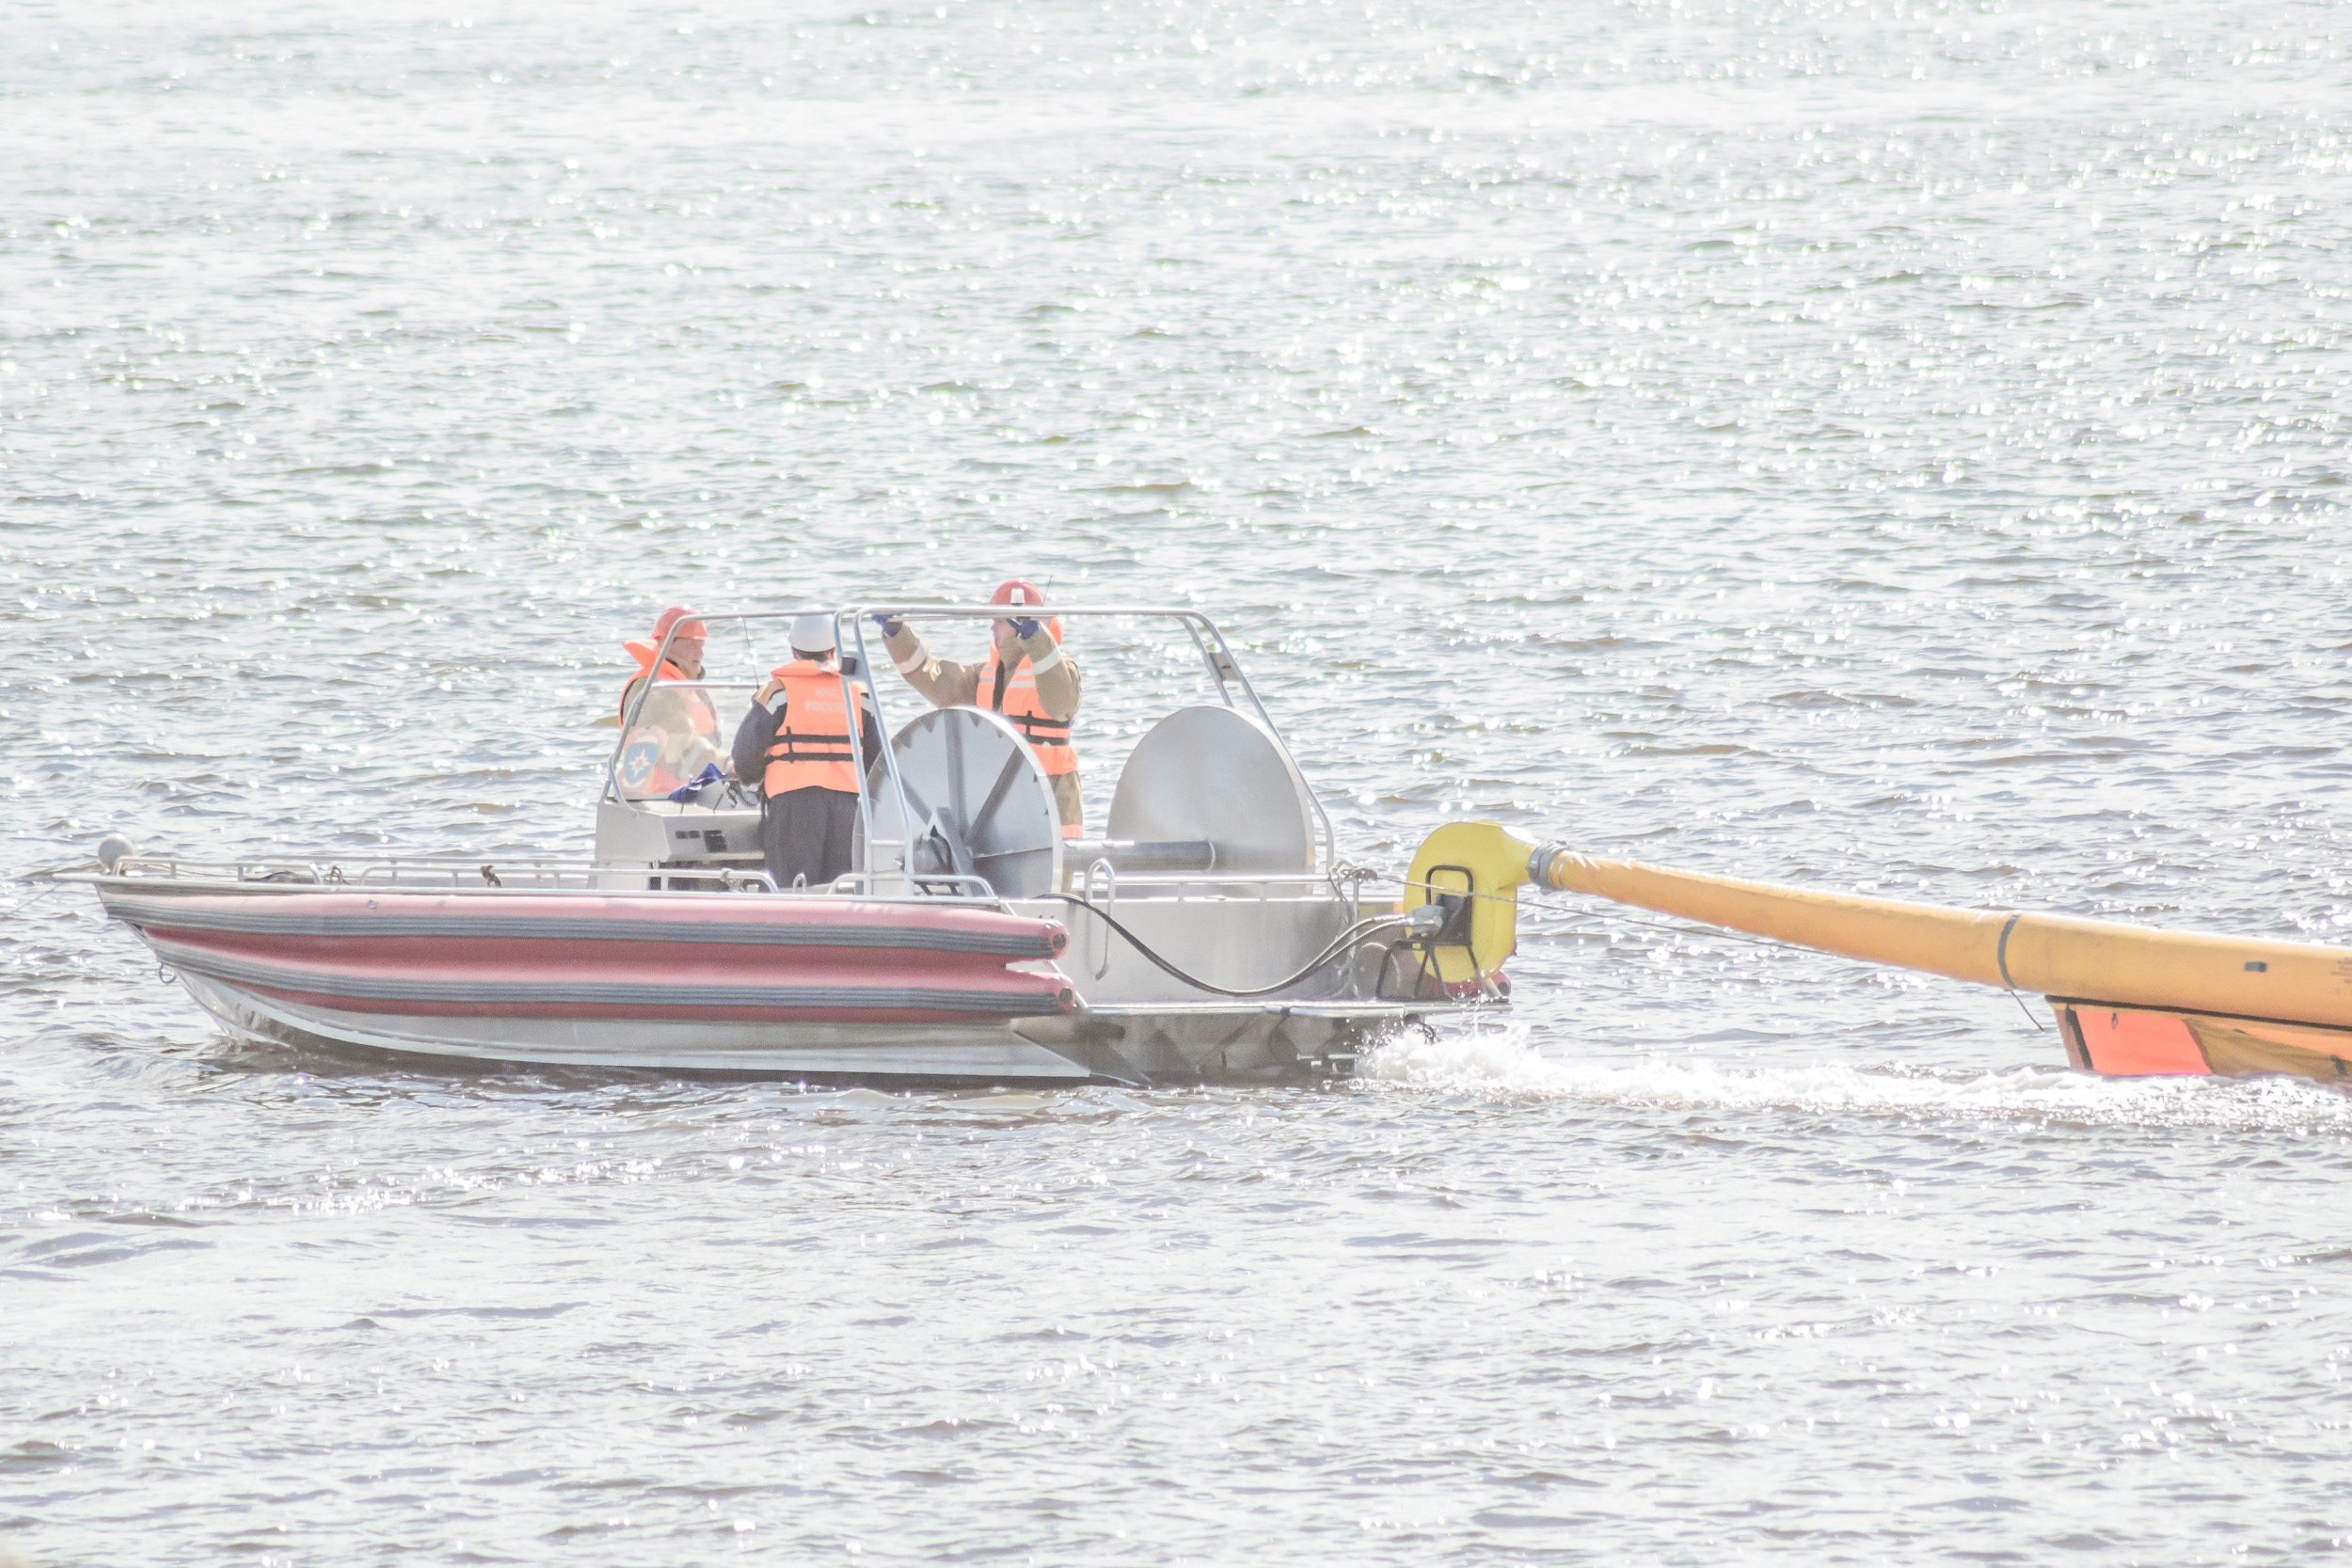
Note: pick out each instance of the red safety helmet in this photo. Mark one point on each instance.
(1021, 591)
(687, 631)
(693, 631)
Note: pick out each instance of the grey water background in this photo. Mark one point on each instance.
(1886, 446)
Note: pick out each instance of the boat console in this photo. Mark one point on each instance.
(677, 836)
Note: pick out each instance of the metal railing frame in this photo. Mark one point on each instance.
(849, 626)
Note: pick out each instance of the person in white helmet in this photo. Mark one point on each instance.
(1024, 675)
(795, 741)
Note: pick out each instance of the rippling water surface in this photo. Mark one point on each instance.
(1889, 446)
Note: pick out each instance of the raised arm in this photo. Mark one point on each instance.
(944, 684)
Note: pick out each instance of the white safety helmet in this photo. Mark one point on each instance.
(812, 634)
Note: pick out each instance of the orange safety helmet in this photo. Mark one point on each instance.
(1021, 591)
(689, 631)
(693, 631)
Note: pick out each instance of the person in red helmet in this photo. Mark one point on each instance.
(1026, 677)
(675, 736)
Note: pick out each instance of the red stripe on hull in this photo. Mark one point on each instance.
(589, 1013)
(649, 963)
(733, 958)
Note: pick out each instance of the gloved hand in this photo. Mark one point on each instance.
(687, 791)
(1025, 629)
(891, 625)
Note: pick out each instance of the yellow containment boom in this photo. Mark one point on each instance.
(2062, 957)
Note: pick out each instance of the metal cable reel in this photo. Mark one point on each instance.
(1217, 774)
(980, 806)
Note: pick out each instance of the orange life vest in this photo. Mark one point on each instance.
(812, 749)
(1047, 736)
(645, 755)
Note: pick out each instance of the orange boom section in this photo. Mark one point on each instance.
(2055, 955)
(2130, 1001)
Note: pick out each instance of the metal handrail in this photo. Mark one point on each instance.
(1331, 841)
(635, 709)
(403, 874)
(1220, 878)
(355, 872)
(1110, 882)
(975, 888)
(890, 766)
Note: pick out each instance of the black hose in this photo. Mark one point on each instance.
(1331, 950)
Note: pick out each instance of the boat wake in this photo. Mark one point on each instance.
(1507, 1061)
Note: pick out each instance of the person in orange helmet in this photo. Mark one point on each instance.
(676, 737)
(1026, 677)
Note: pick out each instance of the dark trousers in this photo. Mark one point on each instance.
(806, 832)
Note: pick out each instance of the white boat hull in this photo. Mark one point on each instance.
(1136, 1047)
(768, 1050)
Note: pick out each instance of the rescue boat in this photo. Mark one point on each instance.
(1209, 932)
